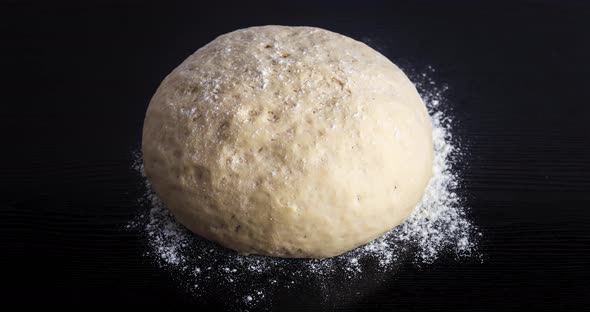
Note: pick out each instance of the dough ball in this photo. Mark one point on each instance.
(289, 142)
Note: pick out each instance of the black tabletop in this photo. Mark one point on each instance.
(76, 80)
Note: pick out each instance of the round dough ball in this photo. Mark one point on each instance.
(289, 142)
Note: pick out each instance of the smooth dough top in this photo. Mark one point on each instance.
(288, 141)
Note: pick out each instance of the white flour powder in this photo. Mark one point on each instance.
(437, 226)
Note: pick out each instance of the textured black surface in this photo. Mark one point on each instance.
(76, 80)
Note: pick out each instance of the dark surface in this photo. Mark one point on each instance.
(76, 80)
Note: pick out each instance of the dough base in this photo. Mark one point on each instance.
(289, 142)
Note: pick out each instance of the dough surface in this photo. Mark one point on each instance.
(288, 141)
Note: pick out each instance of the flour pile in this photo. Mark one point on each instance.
(438, 226)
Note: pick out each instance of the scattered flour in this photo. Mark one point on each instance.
(437, 227)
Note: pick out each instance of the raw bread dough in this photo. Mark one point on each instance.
(288, 141)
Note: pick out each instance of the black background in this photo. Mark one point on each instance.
(76, 80)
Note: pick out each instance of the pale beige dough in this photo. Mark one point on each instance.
(288, 141)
